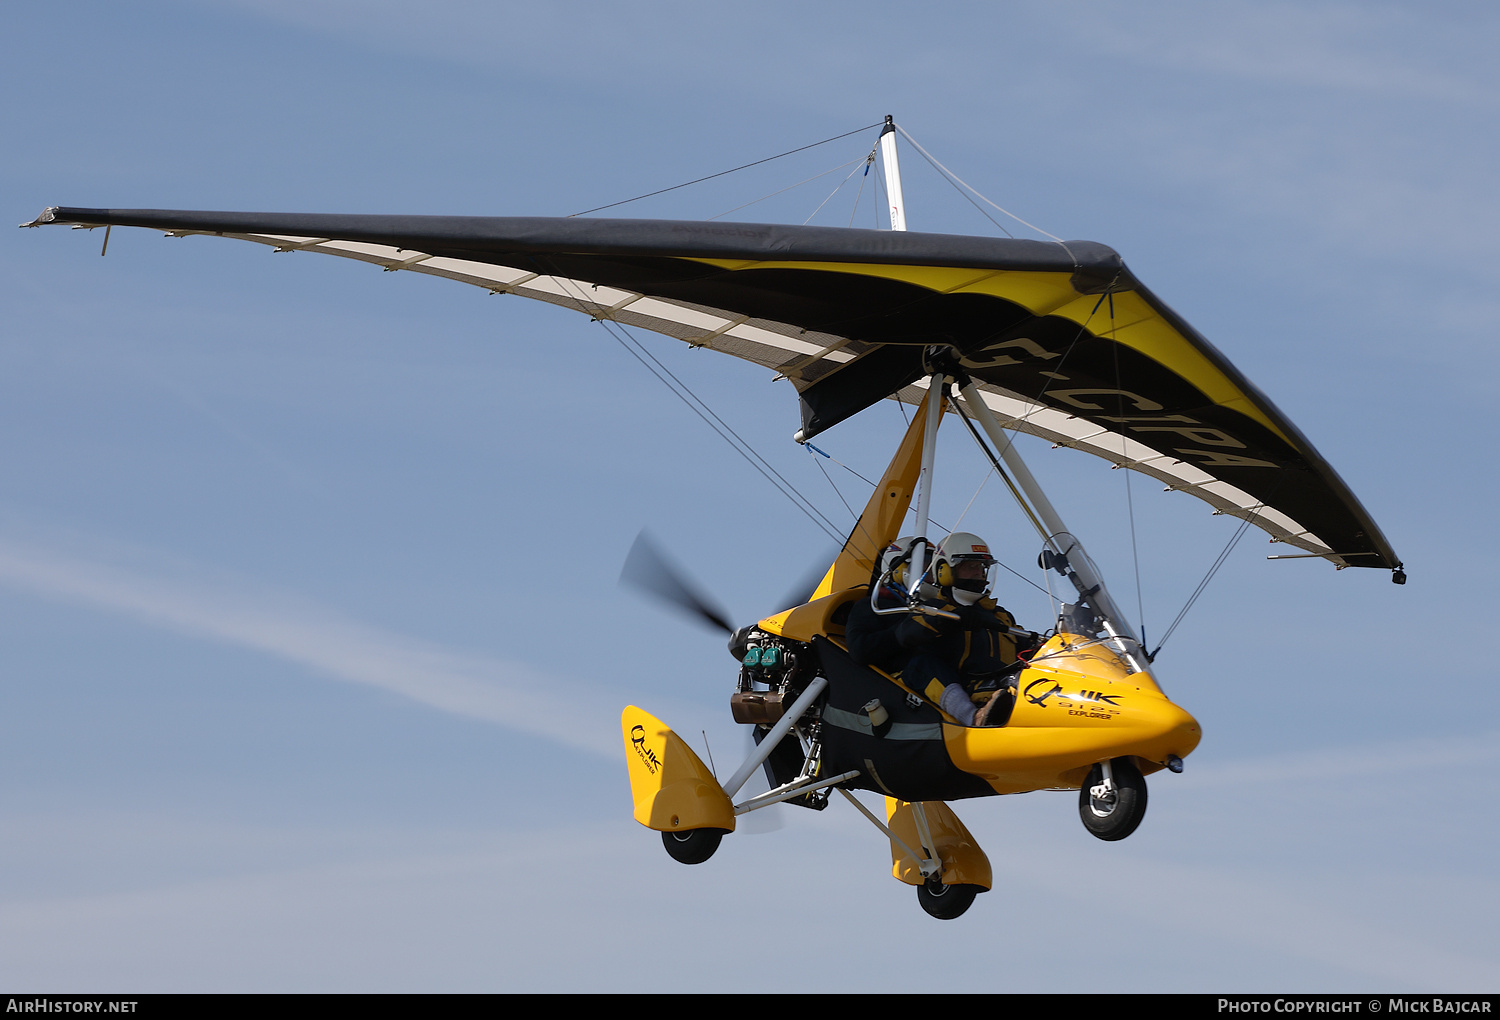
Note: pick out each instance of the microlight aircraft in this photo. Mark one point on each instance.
(1051, 338)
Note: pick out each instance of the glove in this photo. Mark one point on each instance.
(919, 630)
(986, 617)
(951, 622)
(979, 617)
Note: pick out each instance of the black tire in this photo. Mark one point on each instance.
(1112, 821)
(693, 846)
(945, 902)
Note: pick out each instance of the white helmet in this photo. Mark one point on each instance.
(953, 553)
(893, 555)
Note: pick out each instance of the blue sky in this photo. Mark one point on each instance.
(313, 648)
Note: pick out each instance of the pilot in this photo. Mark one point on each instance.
(947, 654)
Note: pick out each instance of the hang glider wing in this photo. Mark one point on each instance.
(1064, 342)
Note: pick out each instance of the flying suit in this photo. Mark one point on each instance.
(939, 657)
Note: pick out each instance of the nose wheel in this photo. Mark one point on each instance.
(1112, 800)
(693, 846)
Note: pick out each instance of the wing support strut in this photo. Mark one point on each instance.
(1066, 550)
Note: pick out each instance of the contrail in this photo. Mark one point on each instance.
(294, 629)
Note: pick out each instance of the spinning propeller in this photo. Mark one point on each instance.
(648, 569)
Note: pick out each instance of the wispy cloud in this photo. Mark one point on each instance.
(297, 630)
(1354, 48)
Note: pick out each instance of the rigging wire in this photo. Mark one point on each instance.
(910, 510)
(836, 491)
(791, 187)
(721, 173)
(1214, 569)
(1045, 591)
(858, 527)
(727, 433)
(840, 187)
(1036, 401)
(970, 504)
(869, 162)
(1234, 539)
(701, 408)
(856, 474)
(704, 412)
(954, 178)
(840, 463)
(1140, 605)
(962, 187)
(1025, 507)
(1223, 555)
(961, 517)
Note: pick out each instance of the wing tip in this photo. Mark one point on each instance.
(48, 215)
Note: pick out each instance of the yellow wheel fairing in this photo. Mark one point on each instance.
(964, 863)
(673, 790)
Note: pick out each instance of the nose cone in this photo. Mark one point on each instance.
(1159, 731)
(1180, 732)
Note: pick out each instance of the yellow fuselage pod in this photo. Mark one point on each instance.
(964, 863)
(672, 788)
(1075, 705)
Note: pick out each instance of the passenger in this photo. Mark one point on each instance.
(943, 655)
(886, 639)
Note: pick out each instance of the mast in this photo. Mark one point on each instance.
(1078, 566)
(937, 384)
(892, 174)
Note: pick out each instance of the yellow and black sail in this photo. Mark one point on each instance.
(1063, 341)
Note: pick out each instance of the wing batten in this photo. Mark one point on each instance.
(1063, 342)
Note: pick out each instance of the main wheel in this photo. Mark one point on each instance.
(1116, 814)
(945, 902)
(693, 846)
